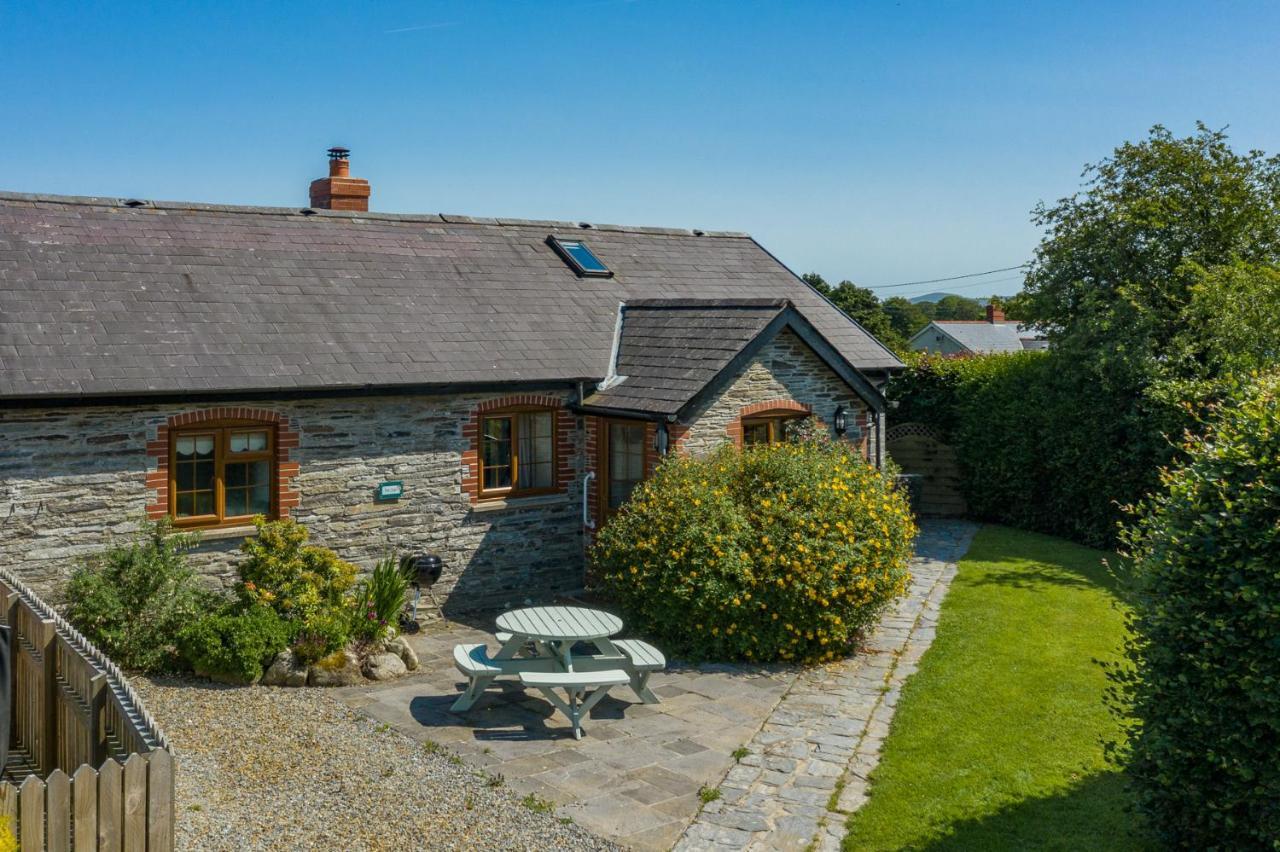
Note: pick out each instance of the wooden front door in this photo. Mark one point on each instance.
(623, 453)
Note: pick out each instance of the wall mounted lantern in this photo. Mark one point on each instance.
(840, 420)
(661, 440)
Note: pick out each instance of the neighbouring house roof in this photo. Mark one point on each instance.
(103, 297)
(670, 352)
(984, 336)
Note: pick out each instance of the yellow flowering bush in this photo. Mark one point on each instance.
(779, 553)
(309, 587)
(8, 842)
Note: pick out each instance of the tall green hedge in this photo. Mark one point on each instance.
(1040, 446)
(1205, 684)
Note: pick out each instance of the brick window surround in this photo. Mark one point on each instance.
(773, 406)
(471, 434)
(286, 493)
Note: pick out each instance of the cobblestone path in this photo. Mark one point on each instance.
(825, 734)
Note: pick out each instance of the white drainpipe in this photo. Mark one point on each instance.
(586, 503)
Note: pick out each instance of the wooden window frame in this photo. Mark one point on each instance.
(602, 462)
(222, 455)
(514, 490)
(774, 420)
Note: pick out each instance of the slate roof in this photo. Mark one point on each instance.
(98, 297)
(985, 337)
(670, 350)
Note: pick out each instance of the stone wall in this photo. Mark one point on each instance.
(73, 480)
(785, 369)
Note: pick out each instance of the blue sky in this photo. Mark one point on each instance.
(878, 141)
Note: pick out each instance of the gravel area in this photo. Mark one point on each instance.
(278, 768)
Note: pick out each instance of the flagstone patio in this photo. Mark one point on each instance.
(635, 776)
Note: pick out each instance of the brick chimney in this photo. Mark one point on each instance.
(994, 313)
(340, 191)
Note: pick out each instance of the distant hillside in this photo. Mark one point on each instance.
(938, 297)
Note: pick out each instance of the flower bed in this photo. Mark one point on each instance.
(297, 617)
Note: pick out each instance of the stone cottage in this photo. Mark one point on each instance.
(488, 390)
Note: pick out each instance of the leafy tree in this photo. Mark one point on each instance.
(1232, 320)
(905, 316)
(862, 306)
(1014, 307)
(953, 307)
(818, 283)
(1111, 281)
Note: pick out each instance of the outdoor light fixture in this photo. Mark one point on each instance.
(662, 439)
(840, 420)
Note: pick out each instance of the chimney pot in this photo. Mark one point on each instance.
(994, 313)
(340, 191)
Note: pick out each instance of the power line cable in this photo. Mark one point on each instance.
(969, 286)
(952, 278)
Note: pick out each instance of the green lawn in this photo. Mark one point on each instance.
(997, 742)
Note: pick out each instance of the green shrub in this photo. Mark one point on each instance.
(234, 646)
(784, 552)
(1041, 446)
(380, 601)
(1204, 687)
(324, 632)
(132, 600)
(297, 580)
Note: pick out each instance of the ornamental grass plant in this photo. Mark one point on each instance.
(778, 553)
(380, 601)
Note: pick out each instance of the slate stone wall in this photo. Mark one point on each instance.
(785, 370)
(72, 480)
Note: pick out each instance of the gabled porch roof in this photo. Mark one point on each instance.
(670, 354)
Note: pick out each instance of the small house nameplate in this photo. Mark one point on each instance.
(389, 491)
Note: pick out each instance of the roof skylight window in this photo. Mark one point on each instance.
(581, 258)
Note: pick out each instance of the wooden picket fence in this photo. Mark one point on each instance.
(88, 767)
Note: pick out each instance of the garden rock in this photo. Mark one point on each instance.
(285, 670)
(340, 668)
(405, 652)
(384, 667)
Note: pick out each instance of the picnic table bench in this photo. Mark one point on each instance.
(537, 646)
(584, 689)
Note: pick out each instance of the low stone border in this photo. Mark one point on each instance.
(807, 768)
(342, 668)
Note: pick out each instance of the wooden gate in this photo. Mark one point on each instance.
(918, 449)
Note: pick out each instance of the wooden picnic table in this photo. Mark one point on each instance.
(554, 631)
(558, 629)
